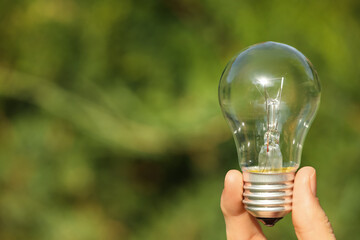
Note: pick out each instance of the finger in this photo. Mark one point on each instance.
(309, 219)
(239, 223)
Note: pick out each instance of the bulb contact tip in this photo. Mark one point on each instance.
(269, 222)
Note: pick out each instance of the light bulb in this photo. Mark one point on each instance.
(269, 95)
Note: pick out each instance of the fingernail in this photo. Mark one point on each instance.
(313, 183)
(227, 178)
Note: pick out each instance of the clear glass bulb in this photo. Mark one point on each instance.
(269, 95)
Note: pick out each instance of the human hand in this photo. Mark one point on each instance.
(309, 219)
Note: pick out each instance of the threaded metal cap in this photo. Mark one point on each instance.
(268, 195)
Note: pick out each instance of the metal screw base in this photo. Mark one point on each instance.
(268, 195)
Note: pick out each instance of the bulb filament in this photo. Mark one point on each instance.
(270, 157)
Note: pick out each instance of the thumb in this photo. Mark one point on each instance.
(309, 219)
(239, 223)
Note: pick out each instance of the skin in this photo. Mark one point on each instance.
(309, 219)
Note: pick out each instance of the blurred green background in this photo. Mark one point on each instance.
(110, 126)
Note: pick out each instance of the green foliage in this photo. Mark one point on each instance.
(109, 120)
